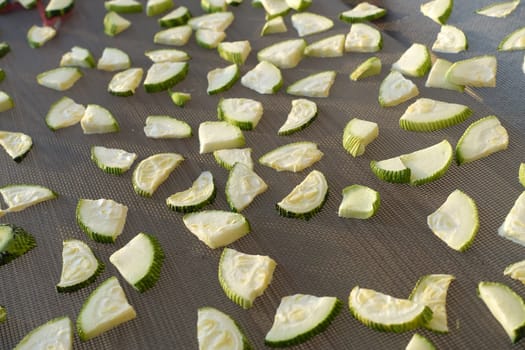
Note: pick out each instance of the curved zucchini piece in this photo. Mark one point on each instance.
(56, 333)
(391, 170)
(4, 48)
(139, 261)
(59, 79)
(235, 52)
(242, 186)
(3, 314)
(211, 6)
(314, 85)
(217, 228)
(358, 134)
(370, 67)
(176, 36)
(219, 135)
(6, 102)
(244, 277)
(14, 242)
(521, 174)
(428, 164)
(414, 62)
(98, 120)
(151, 172)
(242, 112)
(386, 313)
(156, 7)
(113, 59)
(80, 267)
(112, 160)
(222, 79)
(37, 36)
(63, 113)
(218, 21)
(102, 220)
(16, 144)
(180, 98)
(359, 202)
(264, 78)
(299, 5)
(499, 9)
(209, 38)
(58, 7)
(177, 17)
(274, 26)
(316, 314)
(167, 55)
(437, 76)
(126, 82)
(363, 38)
(429, 115)
(115, 24)
(216, 329)
(228, 157)
(512, 227)
(513, 41)
(437, 10)
(450, 39)
(302, 114)
(307, 23)
(396, 89)
(516, 271)
(275, 8)
(123, 6)
(166, 127)
(201, 193)
(20, 197)
(293, 157)
(477, 71)
(104, 309)
(284, 54)
(364, 11)
(164, 75)
(419, 342)
(332, 46)
(77, 57)
(2, 77)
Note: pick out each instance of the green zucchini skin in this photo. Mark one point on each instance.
(20, 243)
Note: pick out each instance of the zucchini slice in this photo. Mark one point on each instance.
(293, 157)
(156, 7)
(104, 309)
(201, 193)
(244, 277)
(4, 48)
(521, 174)
(102, 220)
(139, 261)
(332, 46)
(482, 138)
(217, 228)
(115, 24)
(512, 227)
(396, 89)
(363, 38)
(284, 54)
(450, 39)
(419, 342)
(211, 6)
(14, 242)
(235, 51)
(456, 221)
(6, 102)
(302, 114)
(306, 199)
(437, 10)
(176, 36)
(499, 9)
(314, 85)
(242, 186)
(358, 134)
(222, 79)
(20, 197)
(164, 75)
(428, 164)
(177, 17)
(391, 170)
(59, 79)
(264, 78)
(242, 112)
(3, 314)
(37, 36)
(478, 71)
(2, 77)
(56, 333)
(429, 115)
(218, 21)
(274, 26)
(299, 5)
(513, 41)
(219, 135)
(507, 307)
(431, 290)
(307, 23)
(516, 271)
(26, 4)
(77, 57)
(80, 267)
(364, 11)
(151, 172)
(113, 59)
(300, 317)
(123, 6)
(228, 157)
(16, 144)
(383, 312)
(166, 127)
(437, 76)
(275, 8)
(359, 202)
(215, 329)
(414, 62)
(180, 98)
(208, 38)
(58, 7)
(126, 82)
(167, 55)
(98, 120)
(112, 160)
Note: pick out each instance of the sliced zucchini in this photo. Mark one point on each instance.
(102, 220)
(450, 39)
(300, 317)
(332, 46)
(306, 199)
(359, 202)
(358, 134)
(14, 242)
(437, 10)
(166, 127)
(396, 89)
(364, 11)
(284, 54)
(383, 312)
(104, 309)
(363, 38)
(478, 71)
(80, 267)
(222, 79)
(164, 75)
(516, 271)
(26, 4)
(176, 36)
(167, 55)
(208, 38)
(234, 2)
(499, 9)
(151, 172)
(216, 228)
(201, 193)
(507, 307)
(314, 85)
(113, 59)
(214, 5)
(228, 157)
(4, 48)
(58, 7)
(177, 17)
(216, 329)
(242, 186)
(3, 314)
(242, 112)
(219, 135)
(431, 290)
(292, 157)
(115, 24)
(302, 114)
(264, 78)
(20, 197)
(429, 115)
(274, 26)
(414, 62)
(112, 160)
(180, 98)
(2, 75)
(482, 138)
(235, 51)
(123, 6)
(307, 23)
(521, 174)
(218, 21)
(16, 144)
(275, 8)
(437, 76)
(299, 5)
(56, 333)
(428, 164)
(513, 41)
(391, 170)
(37, 36)
(244, 277)
(419, 342)
(126, 82)
(98, 120)
(59, 79)
(156, 7)
(6, 102)
(77, 57)
(512, 227)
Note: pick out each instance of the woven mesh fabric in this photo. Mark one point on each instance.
(326, 255)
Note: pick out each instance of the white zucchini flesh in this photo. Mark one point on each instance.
(302, 113)
(199, 194)
(176, 36)
(151, 172)
(16, 144)
(370, 67)
(235, 51)
(364, 11)
(162, 127)
(363, 38)
(219, 135)
(516, 271)
(478, 71)
(228, 157)
(103, 217)
(20, 197)
(427, 115)
(414, 62)
(59, 79)
(264, 78)
(112, 158)
(307, 23)
(163, 75)
(513, 41)
(135, 259)
(419, 342)
(275, 8)
(217, 330)
(126, 82)
(156, 7)
(358, 134)
(98, 120)
(221, 79)
(115, 24)
(209, 38)
(79, 264)
(242, 186)
(292, 157)
(437, 10)
(429, 163)
(218, 21)
(243, 112)
(359, 202)
(54, 334)
(284, 54)
(274, 26)
(37, 36)
(332, 46)
(307, 197)
(63, 113)
(113, 59)
(315, 85)
(170, 55)
(437, 76)
(450, 39)
(396, 89)
(499, 9)
(513, 228)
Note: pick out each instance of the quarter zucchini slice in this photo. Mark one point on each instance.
(396, 89)
(164, 75)
(156, 7)
(235, 51)
(437, 10)
(63, 113)
(216, 329)
(102, 220)
(123, 6)
(428, 164)
(218, 21)
(228, 157)
(419, 342)
(274, 26)
(80, 267)
(98, 120)
(177, 17)
(166, 127)
(56, 333)
(431, 290)
(151, 172)
(499, 9)
(176, 36)
(113, 59)
(58, 7)
(437, 76)
(243, 186)
(512, 227)
(364, 11)
(293, 157)
(359, 202)
(139, 261)
(219, 135)
(201, 193)
(314, 85)
(59, 79)
(516, 271)
(414, 62)
(302, 114)
(275, 8)
(222, 79)
(284, 54)
(429, 115)
(332, 46)
(209, 38)
(363, 38)
(115, 24)
(214, 5)
(307, 23)
(167, 55)
(20, 197)
(112, 160)
(450, 39)
(6, 102)
(300, 317)
(244, 277)
(264, 78)
(217, 228)
(391, 170)
(242, 112)
(104, 309)
(126, 82)
(16, 144)
(507, 307)
(383, 312)
(14, 242)
(478, 71)
(77, 57)
(306, 199)
(513, 41)
(358, 134)
(37, 36)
